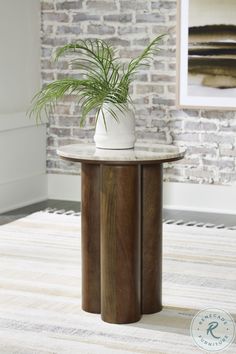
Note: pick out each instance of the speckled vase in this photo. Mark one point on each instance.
(117, 134)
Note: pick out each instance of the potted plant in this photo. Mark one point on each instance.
(103, 88)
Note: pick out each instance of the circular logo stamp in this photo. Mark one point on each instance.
(212, 329)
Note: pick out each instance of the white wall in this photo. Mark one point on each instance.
(22, 143)
(20, 53)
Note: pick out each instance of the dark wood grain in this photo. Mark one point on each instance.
(120, 244)
(91, 288)
(151, 238)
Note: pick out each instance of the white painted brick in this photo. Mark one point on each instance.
(209, 135)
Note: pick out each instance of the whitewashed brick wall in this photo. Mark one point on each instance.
(210, 136)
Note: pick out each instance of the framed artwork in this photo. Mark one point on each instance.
(206, 54)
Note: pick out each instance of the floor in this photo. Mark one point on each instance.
(51, 203)
(40, 293)
(226, 219)
(212, 218)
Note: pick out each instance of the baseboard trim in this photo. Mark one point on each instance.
(64, 187)
(21, 192)
(200, 197)
(176, 196)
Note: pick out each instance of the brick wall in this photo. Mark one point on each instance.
(210, 136)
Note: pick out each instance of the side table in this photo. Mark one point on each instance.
(121, 228)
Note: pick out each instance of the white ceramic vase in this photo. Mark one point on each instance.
(116, 134)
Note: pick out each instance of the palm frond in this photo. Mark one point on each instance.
(105, 81)
(97, 52)
(52, 92)
(145, 56)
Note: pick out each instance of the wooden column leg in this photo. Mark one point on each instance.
(91, 289)
(151, 205)
(120, 244)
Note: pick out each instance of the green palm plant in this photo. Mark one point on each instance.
(104, 78)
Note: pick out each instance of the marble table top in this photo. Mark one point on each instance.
(143, 153)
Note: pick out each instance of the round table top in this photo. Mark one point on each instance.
(143, 153)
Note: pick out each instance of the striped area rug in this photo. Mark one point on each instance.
(40, 293)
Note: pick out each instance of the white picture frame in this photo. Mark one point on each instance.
(198, 95)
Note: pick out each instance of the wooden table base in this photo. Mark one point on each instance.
(121, 240)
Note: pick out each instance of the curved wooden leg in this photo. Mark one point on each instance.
(120, 244)
(126, 289)
(91, 299)
(151, 238)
